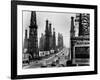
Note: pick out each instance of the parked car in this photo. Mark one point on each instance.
(46, 53)
(53, 64)
(44, 65)
(26, 60)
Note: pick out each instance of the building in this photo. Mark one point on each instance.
(84, 20)
(80, 43)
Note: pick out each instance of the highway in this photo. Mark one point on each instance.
(61, 57)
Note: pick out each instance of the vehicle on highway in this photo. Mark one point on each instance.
(44, 64)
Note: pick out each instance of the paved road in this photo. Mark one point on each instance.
(60, 55)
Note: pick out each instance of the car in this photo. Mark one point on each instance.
(44, 65)
(36, 61)
(41, 53)
(26, 60)
(53, 64)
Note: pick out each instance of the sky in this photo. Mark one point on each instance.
(60, 21)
